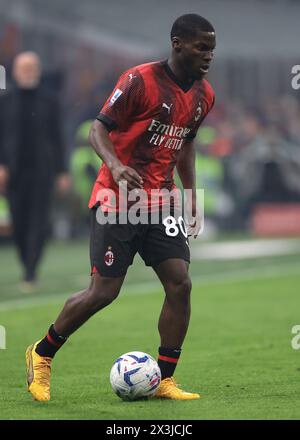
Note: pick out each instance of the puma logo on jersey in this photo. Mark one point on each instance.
(168, 107)
(131, 76)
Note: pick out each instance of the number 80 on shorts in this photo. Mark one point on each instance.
(171, 227)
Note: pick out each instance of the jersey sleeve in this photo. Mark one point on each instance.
(125, 102)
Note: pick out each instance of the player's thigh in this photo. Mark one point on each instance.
(173, 274)
(112, 248)
(165, 241)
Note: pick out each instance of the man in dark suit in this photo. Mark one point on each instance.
(31, 159)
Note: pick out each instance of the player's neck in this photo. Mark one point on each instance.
(179, 72)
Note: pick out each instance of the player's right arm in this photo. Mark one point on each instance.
(117, 113)
(103, 146)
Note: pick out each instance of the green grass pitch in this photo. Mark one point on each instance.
(237, 353)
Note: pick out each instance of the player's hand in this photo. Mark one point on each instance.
(194, 223)
(133, 179)
(4, 177)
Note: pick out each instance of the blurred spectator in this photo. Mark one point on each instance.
(258, 151)
(31, 160)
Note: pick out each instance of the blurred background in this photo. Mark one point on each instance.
(245, 266)
(248, 149)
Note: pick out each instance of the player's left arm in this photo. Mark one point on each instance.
(187, 173)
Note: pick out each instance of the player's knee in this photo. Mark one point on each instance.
(101, 297)
(179, 290)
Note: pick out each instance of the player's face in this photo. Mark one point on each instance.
(195, 55)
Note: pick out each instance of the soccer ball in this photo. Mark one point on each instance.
(135, 375)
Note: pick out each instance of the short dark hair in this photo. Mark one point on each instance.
(188, 25)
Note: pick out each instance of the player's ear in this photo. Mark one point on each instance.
(176, 44)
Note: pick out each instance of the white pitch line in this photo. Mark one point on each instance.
(237, 250)
(265, 272)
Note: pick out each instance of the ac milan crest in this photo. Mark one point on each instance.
(198, 112)
(109, 257)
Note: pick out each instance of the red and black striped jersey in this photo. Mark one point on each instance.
(150, 116)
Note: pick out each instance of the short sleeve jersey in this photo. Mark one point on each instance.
(150, 116)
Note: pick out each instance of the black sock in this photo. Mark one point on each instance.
(50, 344)
(167, 360)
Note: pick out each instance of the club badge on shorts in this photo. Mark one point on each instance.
(109, 257)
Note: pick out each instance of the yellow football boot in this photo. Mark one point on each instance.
(38, 374)
(169, 389)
